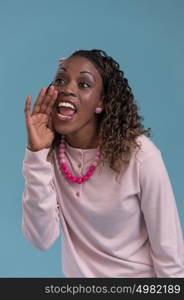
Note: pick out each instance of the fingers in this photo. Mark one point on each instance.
(49, 100)
(61, 59)
(45, 100)
(51, 103)
(27, 108)
(38, 102)
(50, 123)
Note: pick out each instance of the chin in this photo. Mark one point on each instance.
(72, 126)
(67, 129)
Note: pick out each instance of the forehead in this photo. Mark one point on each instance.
(78, 64)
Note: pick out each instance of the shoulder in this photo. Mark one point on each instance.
(147, 148)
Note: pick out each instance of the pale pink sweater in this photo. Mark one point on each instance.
(128, 228)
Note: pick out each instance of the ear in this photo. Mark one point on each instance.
(101, 102)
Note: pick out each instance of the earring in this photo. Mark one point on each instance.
(98, 110)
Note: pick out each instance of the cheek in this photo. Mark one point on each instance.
(88, 110)
(90, 102)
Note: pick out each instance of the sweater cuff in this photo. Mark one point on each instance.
(36, 156)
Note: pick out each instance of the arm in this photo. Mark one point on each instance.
(40, 220)
(161, 217)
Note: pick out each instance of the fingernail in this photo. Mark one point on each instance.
(62, 58)
(42, 91)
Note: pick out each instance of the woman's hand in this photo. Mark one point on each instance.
(40, 131)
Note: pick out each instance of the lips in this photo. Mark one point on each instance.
(66, 111)
(66, 99)
(64, 114)
(61, 117)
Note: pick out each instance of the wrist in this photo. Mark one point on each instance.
(35, 150)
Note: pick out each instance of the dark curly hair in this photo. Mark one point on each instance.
(119, 124)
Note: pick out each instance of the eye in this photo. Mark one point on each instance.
(58, 81)
(83, 83)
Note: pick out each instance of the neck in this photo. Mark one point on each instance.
(83, 143)
(88, 140)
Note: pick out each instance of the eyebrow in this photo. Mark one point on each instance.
(80, 72)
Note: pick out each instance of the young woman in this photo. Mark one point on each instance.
(91, 167)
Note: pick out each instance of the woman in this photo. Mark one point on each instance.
(91, 167)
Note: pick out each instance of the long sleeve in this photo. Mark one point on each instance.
(40, 220)
(161, 216)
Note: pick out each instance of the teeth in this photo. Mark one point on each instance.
(66, 104)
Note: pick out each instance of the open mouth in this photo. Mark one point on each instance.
(65, 110)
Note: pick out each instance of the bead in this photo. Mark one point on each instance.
(79, 180)
(74, 179)
(89, 173)
(65, 170)
(92, 168)
(61, 151)
(69, 175)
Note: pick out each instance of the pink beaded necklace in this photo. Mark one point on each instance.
(64, 167)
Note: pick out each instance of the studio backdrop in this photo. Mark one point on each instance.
(145, 37)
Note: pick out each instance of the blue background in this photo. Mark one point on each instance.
(144, 36)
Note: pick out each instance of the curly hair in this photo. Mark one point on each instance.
(119, 124)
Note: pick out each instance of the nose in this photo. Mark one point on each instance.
(66, 89)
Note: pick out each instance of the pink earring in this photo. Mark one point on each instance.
(98, 110)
